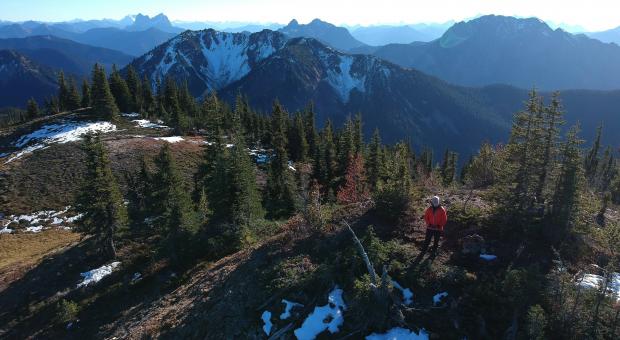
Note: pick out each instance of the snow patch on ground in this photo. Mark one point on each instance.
(60, 133)
(267, 322)
(437, 298)
(130, 115)
(343, 81)
(407, 293)
(95, 275)
(328, 317)
(398, 333)
(172, 140)
(35, 229)
(37, 221)
(143, 123)
(488, 257)
(593, 281)
(287, 309)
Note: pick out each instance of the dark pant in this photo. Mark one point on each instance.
(435, 235)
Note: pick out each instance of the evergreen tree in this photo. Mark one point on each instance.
(135, 90)
(465, 170)
(425, 162)
(329, 154)
(176, 220)
(215, 179)
(245, 197)
(525, 150)
(187, 101)
(358, 135)
(147, 104)
(73, 97)
(120, 91)
(211, 112)
(280, 192)
(32, 109)
(298, 142)
(346, 147)
(103, 102)
(606, 171)
(86, 97)
(63, 92)
(178, 118)
(394, 196)
(139, 195)
(444, 167)
(565, 197)
(592, 159)
(375, 160)
(100, 200)
(312, 135)
(615, 187)
(551, 125)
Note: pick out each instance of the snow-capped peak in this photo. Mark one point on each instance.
(210, 58)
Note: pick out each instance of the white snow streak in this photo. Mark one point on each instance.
(172, 140)
(267, 322)
(316, 323)
(407, 293)
(287, 309)
(58, 133)
(592, 281)
(342, 81)
(95, 275)
(437, 298)
(398, 333)
(143, 123)
(488, 257)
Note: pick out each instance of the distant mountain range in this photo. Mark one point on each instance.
(403, 103)
(325, 64)
(519, 52)
(334, 36)
(72, 57)
(134, 35)
(609, 36)
(22, 78)
(384, 35)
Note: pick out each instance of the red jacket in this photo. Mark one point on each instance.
(436, 220)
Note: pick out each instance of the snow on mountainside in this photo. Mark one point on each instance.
(213, 60)
(208, 59)
(343, 81)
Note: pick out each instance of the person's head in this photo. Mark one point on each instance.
(435, 201)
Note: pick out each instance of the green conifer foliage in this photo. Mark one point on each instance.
(100, 200)
(176, 219)
(120, 91)
(86, 96)
(376, 162)
(32, 109)
(281, 198)
(565, 196)
(147, 103)
(135, 90)
(103, 102)
(63, 92)
(73, 97)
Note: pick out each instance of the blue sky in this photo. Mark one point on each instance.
(591, 14)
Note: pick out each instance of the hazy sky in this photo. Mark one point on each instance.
(591, 14)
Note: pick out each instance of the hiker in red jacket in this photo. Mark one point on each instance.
(435, 218)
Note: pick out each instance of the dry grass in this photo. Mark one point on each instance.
(28, 249)
(50, 178)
